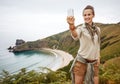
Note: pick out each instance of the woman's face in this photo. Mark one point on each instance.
(88, 16)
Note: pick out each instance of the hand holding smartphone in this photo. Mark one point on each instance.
(70, 16)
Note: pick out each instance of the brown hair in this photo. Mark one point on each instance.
(89, 7)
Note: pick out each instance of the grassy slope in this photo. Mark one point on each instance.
(110, 46)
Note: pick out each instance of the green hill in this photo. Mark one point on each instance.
(110, 50)
(110, 46)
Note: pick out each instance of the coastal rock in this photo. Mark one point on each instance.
(18, 46)
(10, 48)
(19, 42)
(31, 46)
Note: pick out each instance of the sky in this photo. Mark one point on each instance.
(41, 18)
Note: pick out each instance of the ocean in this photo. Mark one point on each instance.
(31, 60)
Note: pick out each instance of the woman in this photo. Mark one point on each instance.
(85, 67)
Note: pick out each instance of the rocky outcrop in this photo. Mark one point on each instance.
(19, 42)
(35, 45)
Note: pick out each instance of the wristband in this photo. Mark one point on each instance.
(72, 27)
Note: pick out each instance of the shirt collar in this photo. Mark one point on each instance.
(83, 25)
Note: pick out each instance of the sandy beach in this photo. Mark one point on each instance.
(66, 57)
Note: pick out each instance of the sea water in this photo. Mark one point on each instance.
(31, 60)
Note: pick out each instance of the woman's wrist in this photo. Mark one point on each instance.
(72, 27)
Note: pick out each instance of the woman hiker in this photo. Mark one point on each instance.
(85, 67)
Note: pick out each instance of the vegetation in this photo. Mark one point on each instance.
(110, 72)
(33, 77)
(110, 57)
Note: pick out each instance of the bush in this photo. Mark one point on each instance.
(33, 77)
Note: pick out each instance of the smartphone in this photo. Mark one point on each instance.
(70, 12)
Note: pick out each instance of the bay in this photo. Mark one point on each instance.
(31, 60)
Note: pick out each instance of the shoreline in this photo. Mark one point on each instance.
(66, 57)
